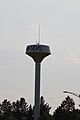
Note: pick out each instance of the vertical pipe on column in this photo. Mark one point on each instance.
(37, 92)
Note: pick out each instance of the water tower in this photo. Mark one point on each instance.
(38, 52)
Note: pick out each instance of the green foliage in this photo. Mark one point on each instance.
(66, 111)
(30, 113)
(44, 110)
(20, 110)
(68, 104)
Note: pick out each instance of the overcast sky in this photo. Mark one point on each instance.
(60, 29)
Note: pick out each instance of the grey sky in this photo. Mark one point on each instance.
(60, 28)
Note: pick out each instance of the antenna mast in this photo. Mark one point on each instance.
(39, 34)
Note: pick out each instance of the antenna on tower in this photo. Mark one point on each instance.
(38, 35)
(38, 41)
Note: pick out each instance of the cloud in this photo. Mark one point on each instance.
(73, 59)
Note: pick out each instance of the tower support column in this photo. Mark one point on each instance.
(37, 91)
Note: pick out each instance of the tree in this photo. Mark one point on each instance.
(6, 109)
(20, 109)
(30, 113)
(68, 104)
(44, 110)
(65, 110)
